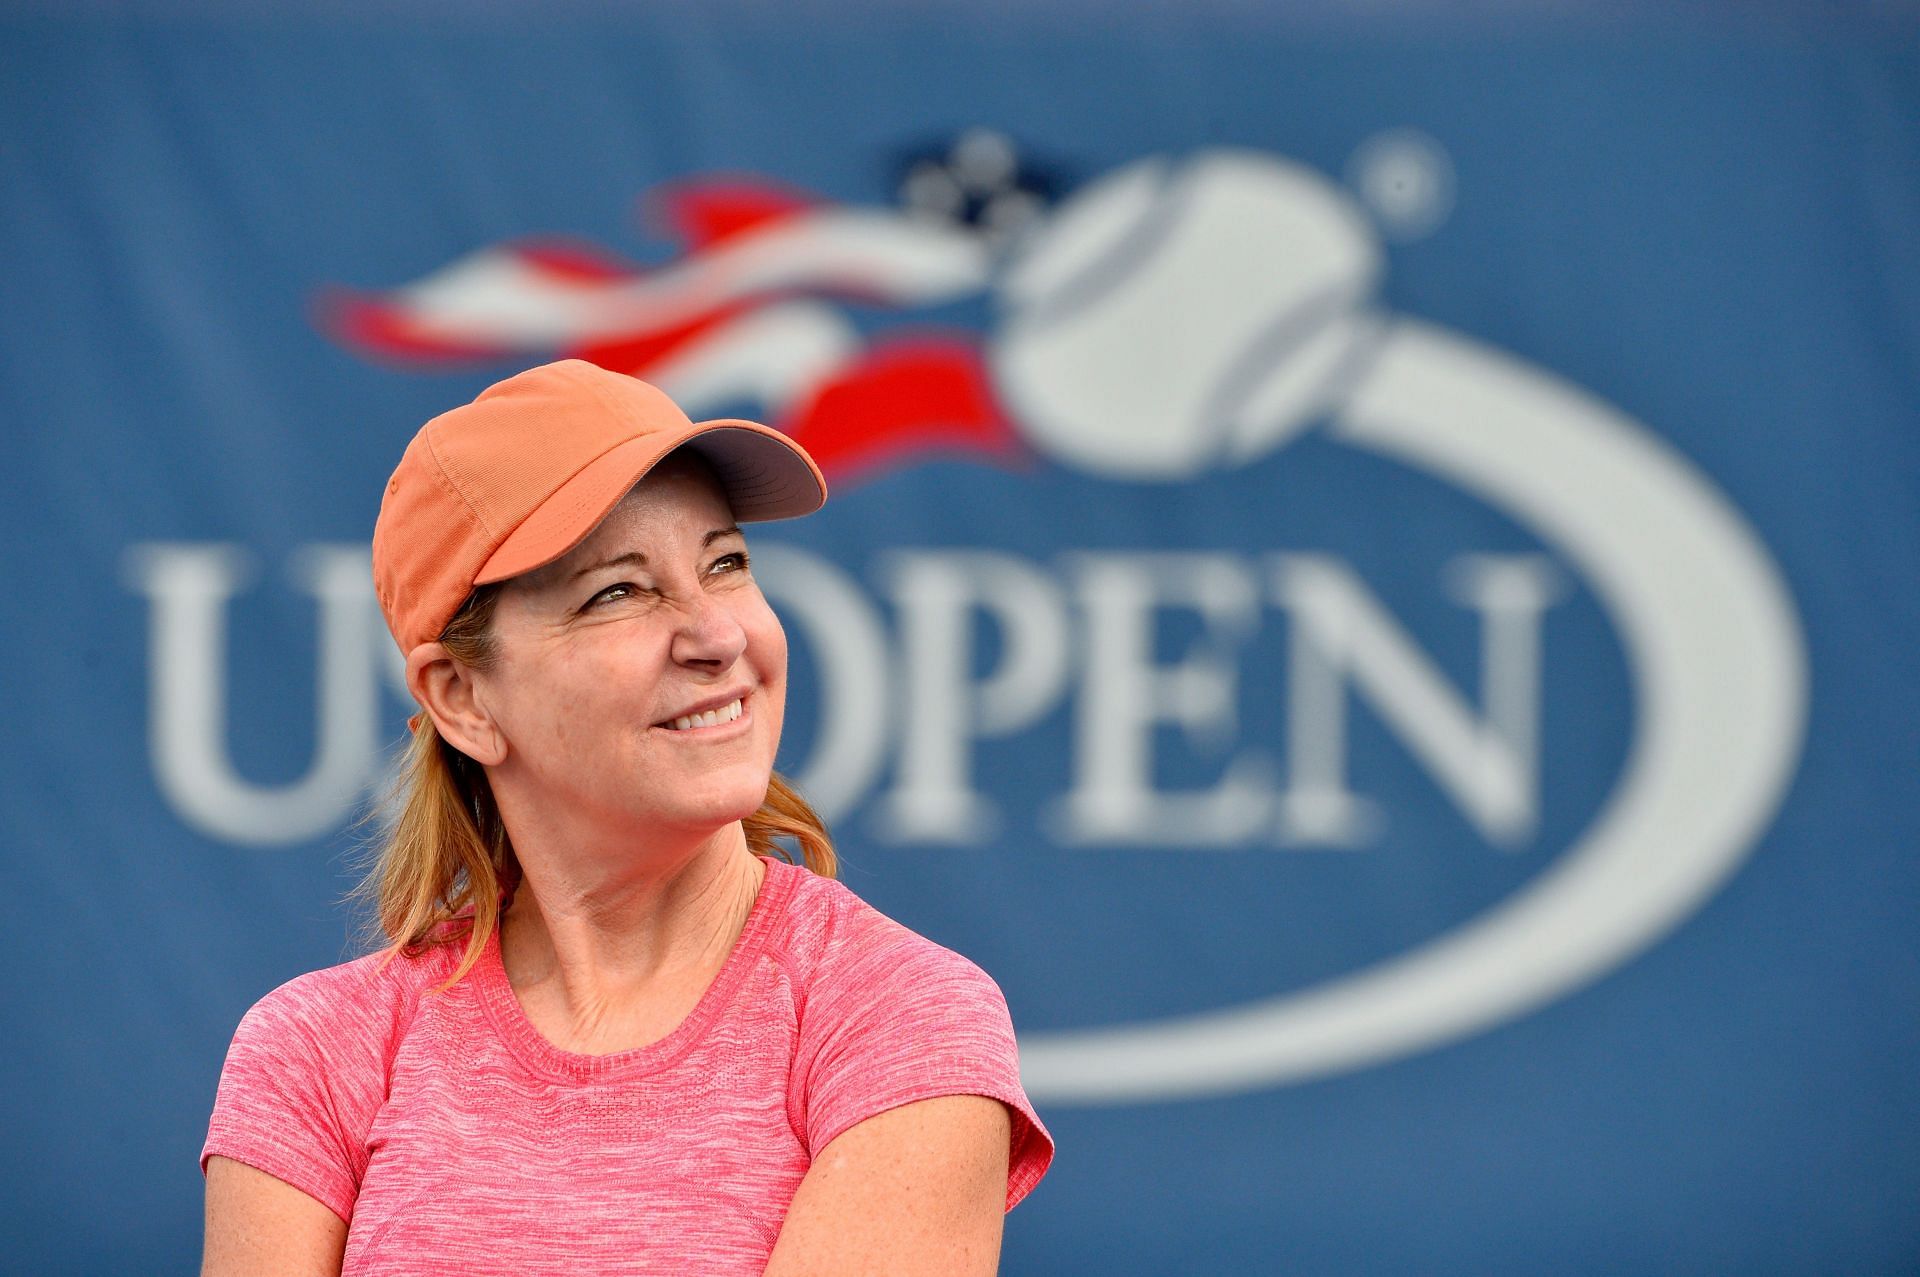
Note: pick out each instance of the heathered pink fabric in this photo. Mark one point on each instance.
(453, 1137)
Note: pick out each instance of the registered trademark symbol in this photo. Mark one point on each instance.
(1406, 179)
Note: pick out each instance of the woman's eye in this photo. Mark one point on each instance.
(735, 562)
(612, 592)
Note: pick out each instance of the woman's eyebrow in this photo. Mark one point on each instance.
(635, 559)
(631, 559)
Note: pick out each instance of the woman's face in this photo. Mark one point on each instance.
(641, 679)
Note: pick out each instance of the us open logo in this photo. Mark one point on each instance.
(1161, 330)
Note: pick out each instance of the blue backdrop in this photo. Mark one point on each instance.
(1370, 580)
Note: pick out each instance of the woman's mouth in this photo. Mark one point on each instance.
(721, 716)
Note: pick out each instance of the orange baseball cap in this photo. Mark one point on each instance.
(522, 474)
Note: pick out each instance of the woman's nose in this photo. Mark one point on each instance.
(709, 634)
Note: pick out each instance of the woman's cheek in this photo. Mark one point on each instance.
(771, 660)
(563, 702)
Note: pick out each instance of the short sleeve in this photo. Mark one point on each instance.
(294, 1098)
(906, 1020)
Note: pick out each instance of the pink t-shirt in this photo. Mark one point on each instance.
(453, 1137)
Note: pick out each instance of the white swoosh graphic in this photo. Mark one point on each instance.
(1719, 713)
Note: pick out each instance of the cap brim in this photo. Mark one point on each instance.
(765, 474)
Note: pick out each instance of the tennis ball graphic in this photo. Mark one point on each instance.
(1176, 317)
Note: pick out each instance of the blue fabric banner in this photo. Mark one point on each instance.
(1370, 580)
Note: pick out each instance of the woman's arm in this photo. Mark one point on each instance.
(917, 1191)
(259, 1226)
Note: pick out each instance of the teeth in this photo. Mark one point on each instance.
(725, 714)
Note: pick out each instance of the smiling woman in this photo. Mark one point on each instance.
(610, 1027)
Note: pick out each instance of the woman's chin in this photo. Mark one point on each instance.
(712, 810)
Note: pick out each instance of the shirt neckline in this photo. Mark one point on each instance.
(510, 1020)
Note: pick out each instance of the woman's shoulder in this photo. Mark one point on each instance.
(887, 1016)
(379, 988)
(834, 938)
(310, 1065)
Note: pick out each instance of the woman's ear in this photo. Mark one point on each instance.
(447, 693)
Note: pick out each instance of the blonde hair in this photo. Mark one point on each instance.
(443, 861)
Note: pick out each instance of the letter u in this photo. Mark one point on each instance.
(188, 587)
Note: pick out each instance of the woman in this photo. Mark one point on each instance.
(612, 1030)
